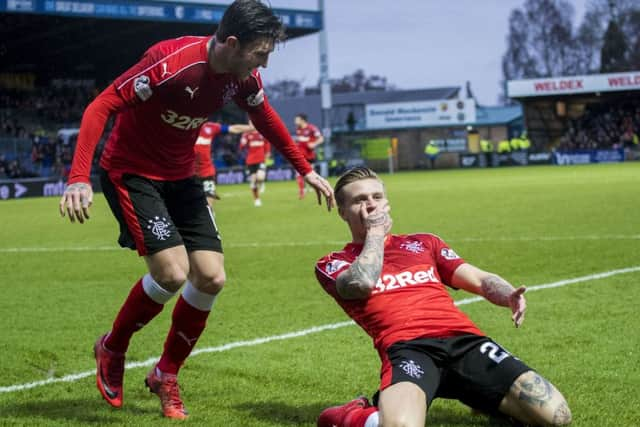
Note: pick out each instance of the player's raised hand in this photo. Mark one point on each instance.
(322, 187)
(518, 305)
(377, 219)
(76, 200)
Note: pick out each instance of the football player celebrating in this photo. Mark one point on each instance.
(146, 172)
(394, 287)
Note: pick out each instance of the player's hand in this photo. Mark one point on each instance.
(518, 305)
(378, 220)
(76, 200)
(322, 187)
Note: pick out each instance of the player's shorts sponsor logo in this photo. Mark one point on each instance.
(389, 282)
(181, 121)
(449, 254)
(256, 99)
(142, 88)
(334, 266)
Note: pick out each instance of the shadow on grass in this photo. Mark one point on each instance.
(85, 411)
(281, 413)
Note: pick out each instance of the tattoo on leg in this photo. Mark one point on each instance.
(536, 391)
(562, 415)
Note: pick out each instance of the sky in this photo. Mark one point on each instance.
(415, 44)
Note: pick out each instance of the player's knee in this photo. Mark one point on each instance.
(211, 283)
(171, 277)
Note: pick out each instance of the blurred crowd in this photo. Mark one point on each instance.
(31, 145)
(29, 124)
(604, 126)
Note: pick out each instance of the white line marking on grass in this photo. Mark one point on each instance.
(300, 333)
(334, 242)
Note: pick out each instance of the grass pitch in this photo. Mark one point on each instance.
(63, 284)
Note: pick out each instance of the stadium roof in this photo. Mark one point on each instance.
(491, 116)
(100, 39)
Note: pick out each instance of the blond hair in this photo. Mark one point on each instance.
(352, 175)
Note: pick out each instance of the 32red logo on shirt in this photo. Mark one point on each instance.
(182, 122)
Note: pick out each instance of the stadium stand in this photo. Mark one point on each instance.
(57, 55)
(604, 126)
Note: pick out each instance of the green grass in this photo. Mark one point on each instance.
(63, 284)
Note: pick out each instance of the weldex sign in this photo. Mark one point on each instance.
(574, 84)
(447, 112)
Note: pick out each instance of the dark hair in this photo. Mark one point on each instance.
(303, 116)
(352, 175)
(250, 20)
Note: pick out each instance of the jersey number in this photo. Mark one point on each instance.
(493, 352)
(182, 122)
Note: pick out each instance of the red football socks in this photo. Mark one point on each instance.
(137, 310)
(188, 323)
(358, 417)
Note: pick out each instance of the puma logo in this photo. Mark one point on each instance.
(164, 70)
(191, 92)
(190, 341)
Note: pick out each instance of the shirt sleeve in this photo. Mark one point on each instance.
(327, 271)
(447, 260)
(92, 126)
(138, 84)
(252, 99)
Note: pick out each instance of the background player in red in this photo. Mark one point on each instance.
(205, 168)
(147, 178)
(394, 287)
(258, 151)
(308, 138)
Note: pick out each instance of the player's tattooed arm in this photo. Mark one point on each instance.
(358, 281)
(500, 292)
(496, 289)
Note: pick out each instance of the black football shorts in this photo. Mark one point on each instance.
(156, 215)
(470, 368)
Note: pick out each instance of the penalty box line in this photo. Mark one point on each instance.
(303, 332)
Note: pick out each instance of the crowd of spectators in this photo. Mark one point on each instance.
(29, 124)
(604, 126)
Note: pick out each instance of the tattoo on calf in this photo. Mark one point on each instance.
(537, 391)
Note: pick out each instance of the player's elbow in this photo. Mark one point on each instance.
(355, 289)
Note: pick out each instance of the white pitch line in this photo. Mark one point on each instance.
(335, 242)
(300, 333)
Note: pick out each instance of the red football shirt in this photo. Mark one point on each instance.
(257, 147)
(410, 300)
(208, 132)
(305, 136)
(161, 102)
